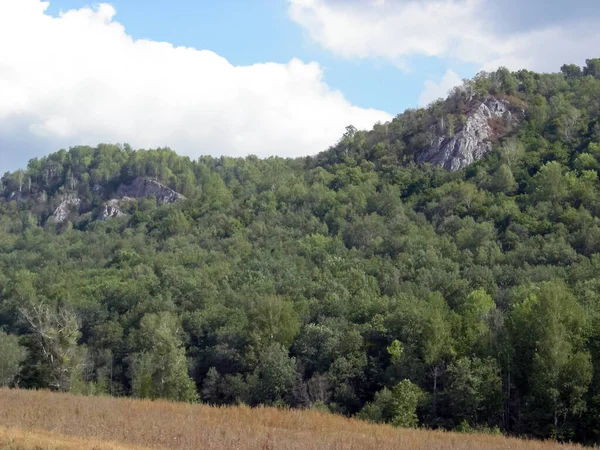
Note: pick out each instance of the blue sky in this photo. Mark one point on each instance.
(264, 77)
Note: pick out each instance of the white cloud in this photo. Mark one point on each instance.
(79, 78)
(434, 90)
(391, 30)
(547, 49)
(459, 30)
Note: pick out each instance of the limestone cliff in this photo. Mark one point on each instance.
(474, 140)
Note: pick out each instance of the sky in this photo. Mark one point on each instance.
(262, 77)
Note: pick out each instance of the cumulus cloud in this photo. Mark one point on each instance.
(392, 30)
(434, 90)
(546, 49)
(79, 78)
(463, 31)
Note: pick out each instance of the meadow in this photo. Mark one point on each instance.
(41, 420)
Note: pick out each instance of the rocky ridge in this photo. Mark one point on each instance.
(138, 188)
(473, 141)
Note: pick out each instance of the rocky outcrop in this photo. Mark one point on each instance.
(473, 141)
(139, 188)
(61, 213)
(145, 187)
(110, 210)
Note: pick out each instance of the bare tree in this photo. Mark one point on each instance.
(512, 151)
(56, 332)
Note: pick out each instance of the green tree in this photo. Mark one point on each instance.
(12, 356)
(274, 375)
(549, 184)
(406, 398)
(503, 180)
(211, 387)
(381, 410)
(592, 68)
(562, 370)
(550, 329)
(474, 391)
(159, 368)
(273, 319)
(474, 312)
(571, 71)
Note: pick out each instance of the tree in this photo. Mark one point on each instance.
(381, 410)
(508, 81)
(568, 121)
(273, 319)
(571, 71)
(554, 358)
(549, 183)
(406, 398)
(474, 391)
(562, 370)
(503, 180)
(274, 376)
(592, 68)
(159, 368)
(395, 351)
(12, 356)
(397, 406)
(474, 311)
(211, 387)
(585, 161)
(215, 193)
(56, 334)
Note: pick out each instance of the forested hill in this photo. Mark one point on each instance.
(439, 270)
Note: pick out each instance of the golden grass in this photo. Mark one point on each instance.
(64, 419)
(17, 439)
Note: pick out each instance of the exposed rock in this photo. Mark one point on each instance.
(61, 213)
(110, 209)
(473, 141)
(145, 187)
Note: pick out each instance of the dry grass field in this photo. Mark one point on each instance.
(47, 421)
(17, 439)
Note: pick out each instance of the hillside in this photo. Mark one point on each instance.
(441, 270)
(65, 422)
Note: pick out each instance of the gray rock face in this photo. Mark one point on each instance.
(110, 209)
(61, 213)
(144, 187)
(472, 142)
